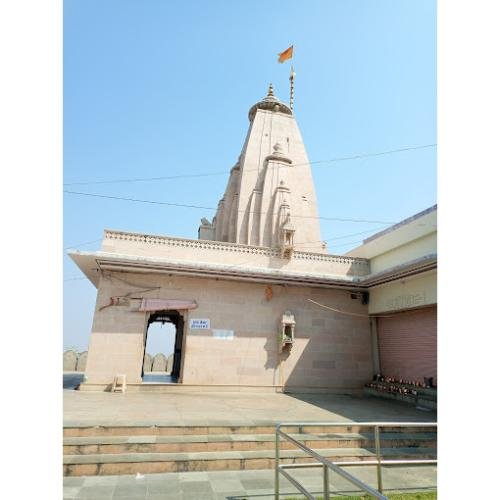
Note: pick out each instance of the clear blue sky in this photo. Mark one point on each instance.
(156, 88)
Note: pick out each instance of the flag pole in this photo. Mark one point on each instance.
(292, 80)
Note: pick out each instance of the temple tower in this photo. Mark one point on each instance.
(270, 198)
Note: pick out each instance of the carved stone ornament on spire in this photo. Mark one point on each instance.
(206, 231)
(286, 237)
(278, 155)
(269, 103)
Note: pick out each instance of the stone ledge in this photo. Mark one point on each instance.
(240, 455)
(237, 438)
(155, 387)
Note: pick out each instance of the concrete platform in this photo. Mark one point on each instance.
(238, 485)
(236, 409)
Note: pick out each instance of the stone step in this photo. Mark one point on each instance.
(427, 393)
(236, 442)
(154, 430)
(145, 463)
(428, 404)
(421, 401)
(406, 398)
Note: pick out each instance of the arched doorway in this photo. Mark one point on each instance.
(171, 341)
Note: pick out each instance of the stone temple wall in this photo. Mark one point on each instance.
(77, 361)
(331, 351)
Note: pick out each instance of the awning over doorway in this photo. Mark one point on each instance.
(166, 304)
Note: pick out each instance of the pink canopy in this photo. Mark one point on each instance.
(166, 304)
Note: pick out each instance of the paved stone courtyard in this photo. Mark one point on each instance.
(229, 408)
(237, 485)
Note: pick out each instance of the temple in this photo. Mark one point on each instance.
(256, 301)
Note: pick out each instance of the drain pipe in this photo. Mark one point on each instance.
(375, 350)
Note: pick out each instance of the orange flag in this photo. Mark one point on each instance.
(287, 54)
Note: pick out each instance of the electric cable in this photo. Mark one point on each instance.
(341, 237)
(362, 315)
(347, 313)
(225, 172)
(184, 205)
(333, 246)
(81, 244)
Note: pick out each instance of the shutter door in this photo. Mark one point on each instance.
(408, 344)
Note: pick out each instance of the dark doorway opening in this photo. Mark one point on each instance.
(167, 341)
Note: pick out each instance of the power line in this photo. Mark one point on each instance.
(348, 313)
(81, 244)
(341, 237)
(146, 179)
(369, 155)
(201, 207)
(348, 243)
(334, 246)
(209, 174)
(353, 234)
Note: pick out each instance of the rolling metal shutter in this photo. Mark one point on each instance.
(408, 344)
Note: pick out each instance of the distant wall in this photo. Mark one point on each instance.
(77, 361)
(82, 361)
(70, 359)
(158, 363)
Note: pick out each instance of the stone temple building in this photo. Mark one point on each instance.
(256, 301)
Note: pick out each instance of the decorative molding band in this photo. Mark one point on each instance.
(230, 247)
(270, 106)
(339, 259)
(130, 264)
(187, 243)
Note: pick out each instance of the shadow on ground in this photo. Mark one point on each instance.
(366, 408)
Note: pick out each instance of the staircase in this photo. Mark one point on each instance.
(90, 451)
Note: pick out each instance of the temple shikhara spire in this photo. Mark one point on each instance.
(270, 199)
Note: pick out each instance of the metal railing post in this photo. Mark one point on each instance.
(277, 466)
(377, 451)
(326, 483)
(337, 467)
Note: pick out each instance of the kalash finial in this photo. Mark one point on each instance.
(270, 97)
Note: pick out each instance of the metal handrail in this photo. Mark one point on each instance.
(336, 467)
